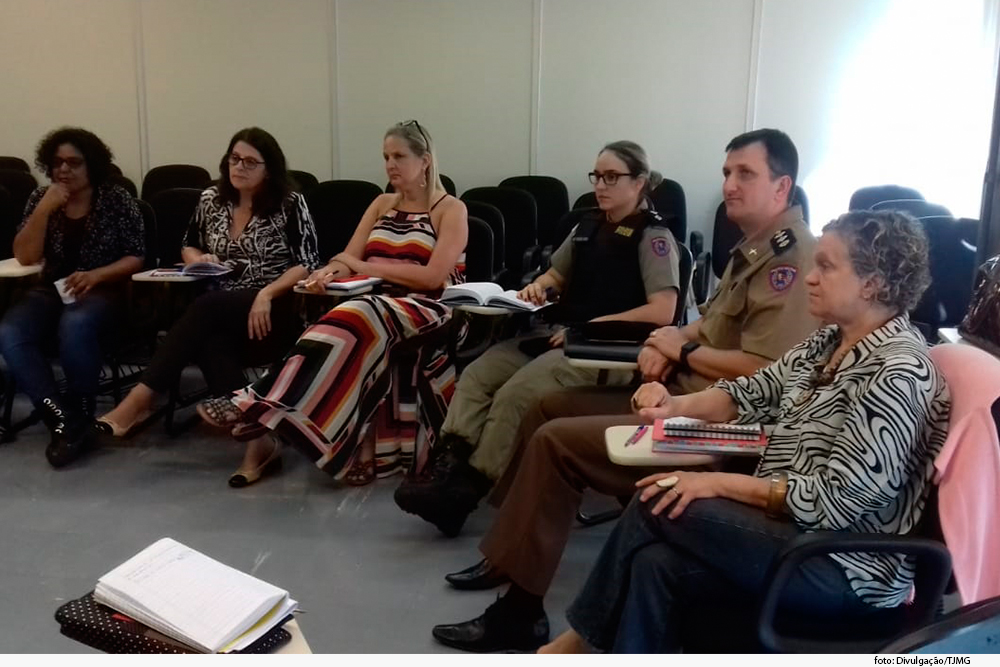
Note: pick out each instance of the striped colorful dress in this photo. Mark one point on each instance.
(379, 361)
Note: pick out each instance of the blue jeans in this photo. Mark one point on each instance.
(40, 323)
(717, 553)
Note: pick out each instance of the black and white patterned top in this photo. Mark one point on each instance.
(268, 246)
(113, 229)
(859, 452)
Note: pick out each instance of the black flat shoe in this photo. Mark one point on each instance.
(500, 628)
(479, 577)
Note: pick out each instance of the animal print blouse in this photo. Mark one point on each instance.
(859, 451)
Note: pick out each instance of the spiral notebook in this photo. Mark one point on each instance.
(683, 434)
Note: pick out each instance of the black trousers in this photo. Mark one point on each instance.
(212, 333)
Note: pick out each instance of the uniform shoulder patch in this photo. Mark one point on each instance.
(782, 277)
(660, 245)
(782, 240)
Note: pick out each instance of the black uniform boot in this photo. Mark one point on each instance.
(448, 491)
(71, 435)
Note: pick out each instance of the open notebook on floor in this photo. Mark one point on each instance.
(683, 434)
(194, 599)
(486, 294)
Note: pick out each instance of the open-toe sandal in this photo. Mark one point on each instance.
(220, 412)
(361, 473)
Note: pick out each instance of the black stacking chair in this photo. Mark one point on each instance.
(124, 182)
(492, 216)
(173, 208)
(14, 163)
(974, 628)
(669, 201)
(449, 186)
(799, 198)
(867, 197)
(337, 207)
(586, 200)
(10, 218)
(20, 185)
(302, 181)
(170, 176)
(115, 169)
(521, 253)
(479, 252)
(551, 201)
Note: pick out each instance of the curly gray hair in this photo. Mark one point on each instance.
(891, 247)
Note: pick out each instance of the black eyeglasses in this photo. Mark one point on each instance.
(71, 162)
(427, 142)
(249, 163)
(609, 177)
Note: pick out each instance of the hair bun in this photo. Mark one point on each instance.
(655, 178)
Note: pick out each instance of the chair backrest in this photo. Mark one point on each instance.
(869, 196)
(974, 628)
(551, 201)
(725, 235)
(479, 251)
(799, 198)
(15, 163)
(125, 182)
(918, 208)
(519, 220)
(492, 216)
(670, 202)
(20, 185)
(336, 208)
(173, 209)
(302, 181)
(169, 176)
(449, 186)
(151, 259)
(10, 218)
(686, 269)
(586, 200)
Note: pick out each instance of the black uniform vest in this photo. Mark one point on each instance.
(606, 277)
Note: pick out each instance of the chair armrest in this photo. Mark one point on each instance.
(934, 555)
(530, 259)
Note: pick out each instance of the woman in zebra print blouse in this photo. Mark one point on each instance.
(858, 414)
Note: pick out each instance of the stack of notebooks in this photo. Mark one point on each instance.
(683, 434)
(170, 598)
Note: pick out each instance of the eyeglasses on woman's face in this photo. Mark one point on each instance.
(73, 163)
(610, 178)
(249, 163)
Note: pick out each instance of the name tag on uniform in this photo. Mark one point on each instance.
(624, 231)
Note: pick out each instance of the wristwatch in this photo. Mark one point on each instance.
(686, 350)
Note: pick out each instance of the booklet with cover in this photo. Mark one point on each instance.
(194, 599)
(486, 294)
(195, 269)
(683, 434)
(348, 284)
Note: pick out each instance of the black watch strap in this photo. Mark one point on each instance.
(686, 349)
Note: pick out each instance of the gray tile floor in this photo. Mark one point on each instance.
(368, 576)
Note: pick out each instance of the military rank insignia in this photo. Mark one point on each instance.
(782, 241)
(624, 231)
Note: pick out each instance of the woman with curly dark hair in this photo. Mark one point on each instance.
(253, 223)
(89, 233)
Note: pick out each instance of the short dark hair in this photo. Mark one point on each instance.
(95, 152)
(782, 157)
(275, 187)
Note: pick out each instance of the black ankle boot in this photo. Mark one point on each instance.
(448, 491)
(71, 436)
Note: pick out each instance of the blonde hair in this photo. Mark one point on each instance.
(418, 139)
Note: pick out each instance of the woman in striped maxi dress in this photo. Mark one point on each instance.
(327, 391)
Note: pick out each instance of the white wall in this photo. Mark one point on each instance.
(514, 86)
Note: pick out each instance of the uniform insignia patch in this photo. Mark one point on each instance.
(624, 231)
(660, 246)
(782, 241)
(782, 277)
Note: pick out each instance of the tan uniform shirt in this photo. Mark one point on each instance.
(761, 305)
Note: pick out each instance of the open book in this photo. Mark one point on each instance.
(348, 284)
(683, 434)
(485, 294)
(198, 269)
(194, 599)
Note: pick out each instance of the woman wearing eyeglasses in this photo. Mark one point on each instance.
(859, 414)
(89, 233)
(620, 263)
(254, 224)
(336, 396)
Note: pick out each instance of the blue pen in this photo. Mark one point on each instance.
(635, 437)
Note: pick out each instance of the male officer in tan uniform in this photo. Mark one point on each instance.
(757, 314)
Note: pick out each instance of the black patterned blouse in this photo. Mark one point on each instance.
(268, 246)
(113, 229)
